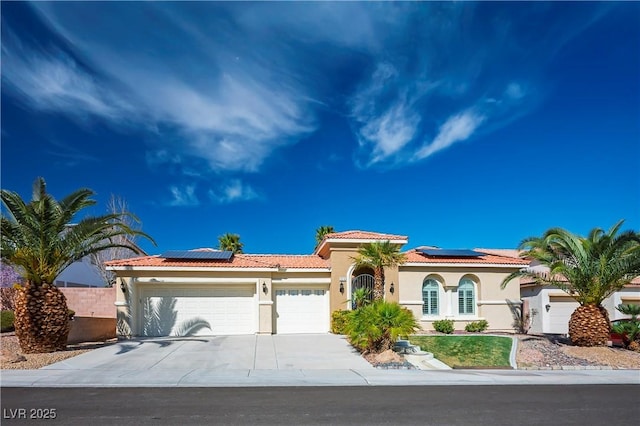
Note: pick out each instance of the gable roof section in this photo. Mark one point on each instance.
(416, 257)
(357, 237)
(364, 235)
(263, 261)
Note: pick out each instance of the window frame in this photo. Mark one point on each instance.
(466, 287)
(427, 304)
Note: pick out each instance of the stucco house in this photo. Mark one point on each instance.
(211, 292)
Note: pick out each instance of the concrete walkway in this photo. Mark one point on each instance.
(279, 360)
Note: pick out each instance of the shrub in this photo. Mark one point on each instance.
(338, 321)
(443, 326)
(6, 321)
(476, 326)
(377, 326)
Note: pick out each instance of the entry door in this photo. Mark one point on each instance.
(302, 310)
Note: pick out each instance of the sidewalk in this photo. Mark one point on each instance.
(353, 377)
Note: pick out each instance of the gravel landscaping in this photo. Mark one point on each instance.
(12, 358)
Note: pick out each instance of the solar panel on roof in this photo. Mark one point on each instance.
(450, 253)
(197, 255)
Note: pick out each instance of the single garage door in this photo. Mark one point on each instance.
(561, 308)
(302, 310)
(173, 311)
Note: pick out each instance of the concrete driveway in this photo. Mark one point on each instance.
(254, 352)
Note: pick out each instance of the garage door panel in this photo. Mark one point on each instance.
(560, 311)
(198, 311)
(302, 310)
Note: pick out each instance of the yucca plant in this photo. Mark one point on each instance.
(376, 327)
(40, 239)
(590, 269)
(360, 297)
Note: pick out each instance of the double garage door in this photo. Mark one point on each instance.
(174, 311)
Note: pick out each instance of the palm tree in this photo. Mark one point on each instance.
(322, 232)
(230, 242)
(40, 240)
(377, 256)
(589, 269)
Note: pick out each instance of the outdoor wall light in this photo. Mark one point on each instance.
(392, 289)
(123, 287)
(264, 288)
(547, 307)
(342, 281)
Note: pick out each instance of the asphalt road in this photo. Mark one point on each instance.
(433, 405)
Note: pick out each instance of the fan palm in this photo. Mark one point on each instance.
(590, 269)
(230, 242)
(377, 256)
(40, 240)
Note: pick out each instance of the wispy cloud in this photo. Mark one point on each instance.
(233, 191)
(53, 81)
(457, 128)
(222, 86)
(233, 112)
(183, 196)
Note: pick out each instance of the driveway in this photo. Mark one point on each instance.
(251, 352)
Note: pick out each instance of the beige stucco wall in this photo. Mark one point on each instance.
(491, 300)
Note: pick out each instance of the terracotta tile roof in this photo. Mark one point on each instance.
(364, 235)
(414, 256)
(237, 261)
(501, 252)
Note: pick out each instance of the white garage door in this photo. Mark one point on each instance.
(173, 311)
(560, 312)
(302, 310)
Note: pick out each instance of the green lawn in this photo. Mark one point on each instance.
(467, 351)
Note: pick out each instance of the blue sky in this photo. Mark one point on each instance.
(458, 124)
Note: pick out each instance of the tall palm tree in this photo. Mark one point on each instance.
(40, 239)
(377, 256)
(321, 232)
(230, 242)
(589, 268)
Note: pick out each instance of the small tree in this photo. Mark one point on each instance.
(8, 278)
(116, 206)
(322, 232)
(230, 242)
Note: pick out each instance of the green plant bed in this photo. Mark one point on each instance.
(467, 351)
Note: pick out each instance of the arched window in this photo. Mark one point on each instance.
(430, 291)
(466, 297)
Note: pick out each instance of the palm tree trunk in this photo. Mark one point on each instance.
(589, 326)
(378, 284)
(41, 319)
